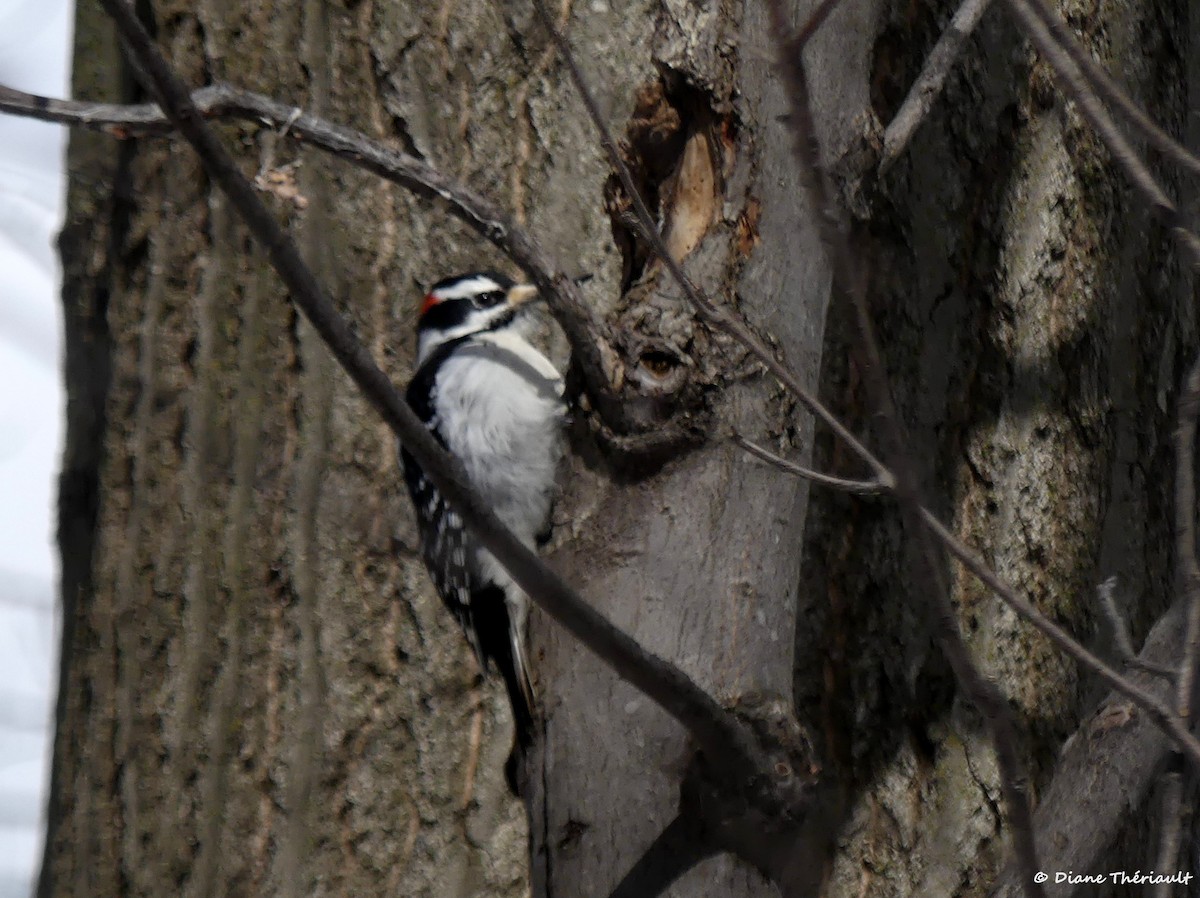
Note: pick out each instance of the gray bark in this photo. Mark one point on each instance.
(1114, 761)
(700, 561)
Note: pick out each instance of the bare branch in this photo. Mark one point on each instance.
(1121, 640)
(583, 329)
(857, 487)
(111, 118)
(928, 86)
(1155, 708)
(1111, 92)
(587, 334)
(929, 83)
(1078, 89)
(1108, 604)
(715, 729)
(1187, 578)
(848, 288)
(1104, 772)
(1158, 670)
(805, 32)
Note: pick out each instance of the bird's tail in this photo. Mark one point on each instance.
(507, 652)
(515, 669)
(520, 689)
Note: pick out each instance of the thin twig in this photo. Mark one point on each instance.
(1158, 670)
(928, 86)
(1157, 710)
(849, 288)
(1077, 87)
(857, 487)
(1122, 642)
(1109, 765)
(582, 328)
(1108, 603)
(805, 32)
(1112, 93)
(710, 724)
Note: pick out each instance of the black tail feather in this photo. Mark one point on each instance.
(491, 615)
(514, 767)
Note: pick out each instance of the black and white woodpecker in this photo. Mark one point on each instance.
(495, 403)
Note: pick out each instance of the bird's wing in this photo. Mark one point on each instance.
(445, 544)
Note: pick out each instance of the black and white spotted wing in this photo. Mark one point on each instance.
(445, 544)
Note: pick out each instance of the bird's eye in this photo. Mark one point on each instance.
(489, 299)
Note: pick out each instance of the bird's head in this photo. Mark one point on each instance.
(468, 304)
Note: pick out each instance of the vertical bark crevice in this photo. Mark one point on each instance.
(307, 750)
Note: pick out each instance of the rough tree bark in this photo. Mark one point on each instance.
(700, 560)
(260, 693)
(1037, 324)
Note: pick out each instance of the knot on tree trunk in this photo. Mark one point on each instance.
(782, 817)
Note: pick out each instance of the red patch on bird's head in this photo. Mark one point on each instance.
(428, 303)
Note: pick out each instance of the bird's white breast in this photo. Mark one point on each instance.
(499, 407)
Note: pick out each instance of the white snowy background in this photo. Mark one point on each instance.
(35, 56)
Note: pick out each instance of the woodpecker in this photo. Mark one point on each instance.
(496, 404)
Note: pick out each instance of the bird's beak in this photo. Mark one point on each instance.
(519, 294)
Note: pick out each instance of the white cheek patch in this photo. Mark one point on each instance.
(477, 321)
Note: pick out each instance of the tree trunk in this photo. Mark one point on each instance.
(260, 692)
(700, 560)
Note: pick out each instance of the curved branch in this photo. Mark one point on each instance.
(849, 288)
(583, 329)
(1122, 641)
(1187, 581)
(845, 485)
(1104, 772)
(1156, 709)
(588, 335)
(814, 22)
